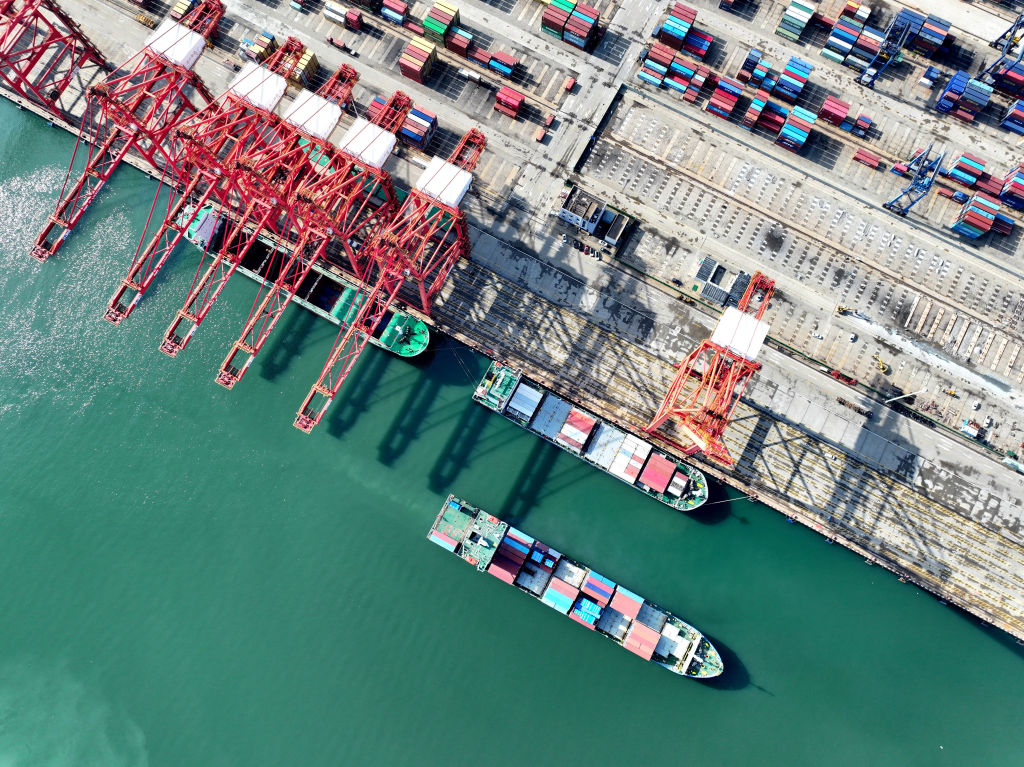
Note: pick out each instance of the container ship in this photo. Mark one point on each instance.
(622, 455)
(590, 599)
(325, 292)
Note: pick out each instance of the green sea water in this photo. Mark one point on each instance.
(188, 581)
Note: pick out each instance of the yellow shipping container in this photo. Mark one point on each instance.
(424, 45)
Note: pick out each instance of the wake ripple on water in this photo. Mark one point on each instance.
(48, 717)
(49, 340)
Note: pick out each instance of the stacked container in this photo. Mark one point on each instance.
(794, 20)
(928, 77)
(677, 25)
(656, 64)
(753, 113)
(764, 66)
(865, 49)
(792, 80)
(988, 184)
(796, 129)
(180, 9)
(1013, 188)
(966, 169)
(834, 110)
(860, 128)
(439, 19)
(964, 97)
(697, 44)
(1013, 119)
(418, 128)
(930, 37)
(394, 11)
(555, 16)
(749, 65)
(508, 101)
(334, 12)
(305, 71)
(418, 59)
(723, 100)
(261, 47)
(845, 32)
(458, 41)
(502, 63)
(977, 216)
(581, 27)
(1009, 78)
(773, 117)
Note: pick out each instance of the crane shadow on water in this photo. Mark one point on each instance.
(360, 388)
(297, 331)
(460, 449)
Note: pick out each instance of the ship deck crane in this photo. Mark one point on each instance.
(924, 169)
(42, 50)
(889, 51)
(722, 367)
(350, 198)
(422, 244)
(134, 108)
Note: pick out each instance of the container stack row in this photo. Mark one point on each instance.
(796, 129)
(930, 37)
(792, 80)
(845, 32)
(794, 20)
(834, 111)
(419, 127)
(1009, 78)
(753, 113)
(1013, 118)
(754, 68)
(964, 97)
(697, 43)
(576, 24)
(440, 19)
(677, 26)
(977, 216)
(394, 11)
(180, 9)
(966, 169)
(260, 48)
(865, 49)
(1013, 188)
(663, 66)
(724, 98)
(305, 71)
(502, 63)
(508, 101)
(418, 59)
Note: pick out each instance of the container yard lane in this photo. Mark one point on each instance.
(898, 304)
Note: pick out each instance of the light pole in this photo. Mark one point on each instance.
(893, 399)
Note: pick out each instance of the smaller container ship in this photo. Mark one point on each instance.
(622, 455)
(325, 292)
(590, 599)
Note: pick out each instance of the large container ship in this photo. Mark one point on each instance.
(622, 455)
(590, 599)
(325, 292)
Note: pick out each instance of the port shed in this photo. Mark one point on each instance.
(370, 143)
(176, 43)
(313, 114)
(444, 182)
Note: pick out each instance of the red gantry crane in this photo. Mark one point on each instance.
(234, 154)
(721, 366)
(135, 108)
(349, 198)
(42, 49)
(272, 170)
(421, 245)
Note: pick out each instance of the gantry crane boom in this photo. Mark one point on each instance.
(422, 243)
